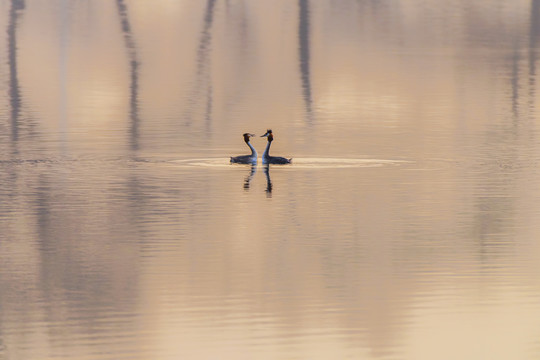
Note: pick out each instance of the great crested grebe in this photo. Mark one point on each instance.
(246, 159)
(266, 158)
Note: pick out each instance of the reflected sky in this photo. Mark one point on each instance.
(406, 226)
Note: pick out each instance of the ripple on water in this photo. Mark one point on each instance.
(297, 163)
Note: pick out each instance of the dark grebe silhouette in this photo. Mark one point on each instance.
(266, 158)
(246, 159)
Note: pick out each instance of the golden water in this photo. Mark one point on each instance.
(405, 228)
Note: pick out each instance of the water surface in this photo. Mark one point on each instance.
(405, 228)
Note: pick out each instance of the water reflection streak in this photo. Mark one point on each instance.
(134, 65)
(304, 55)
(14, 88)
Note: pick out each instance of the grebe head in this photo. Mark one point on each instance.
(269, 135)
(247, 136)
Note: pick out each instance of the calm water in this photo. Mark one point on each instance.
(407, 226)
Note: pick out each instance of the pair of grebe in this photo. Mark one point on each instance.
(266, 158)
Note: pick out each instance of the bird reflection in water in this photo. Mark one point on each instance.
(247, 180)
(268, 181)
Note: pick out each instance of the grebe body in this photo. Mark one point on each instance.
(266, 158)
(246, 159)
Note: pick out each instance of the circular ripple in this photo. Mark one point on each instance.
(206, 162)
(297, 163)
(325, 163)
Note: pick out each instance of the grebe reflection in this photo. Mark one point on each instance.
(246, 159)
(268, 181)
(247, 180)
(266, 158)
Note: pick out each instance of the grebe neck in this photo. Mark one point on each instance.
(253, 151)
(266, 153)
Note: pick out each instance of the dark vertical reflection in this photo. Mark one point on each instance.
(304, 55)
(133, 186)
(268, 181)
(534, 40)
(247, 180)
(206, 38)
(203, 68)
(63, 63)
(209, 103)
(133, 72)
(43, 215)
(14, 91)
(204, 60)
(515, 83)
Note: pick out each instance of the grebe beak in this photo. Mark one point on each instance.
(265, 135)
